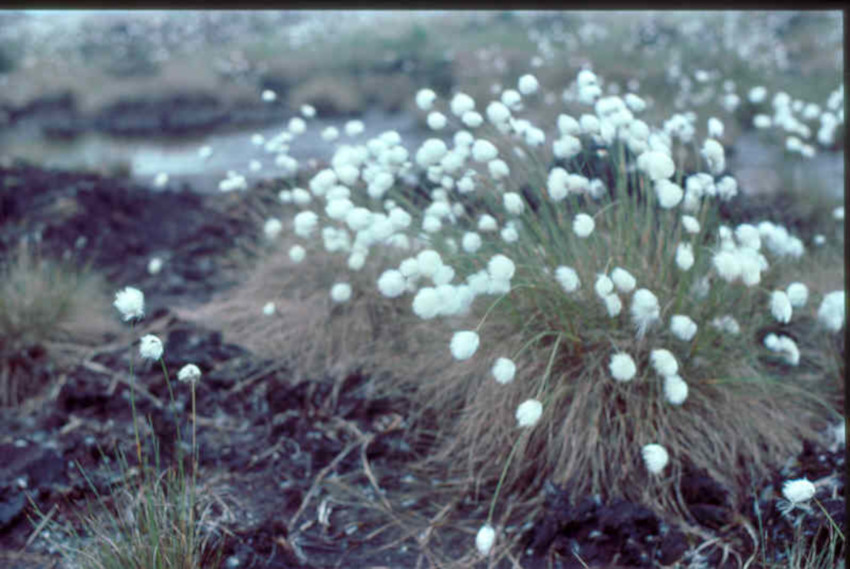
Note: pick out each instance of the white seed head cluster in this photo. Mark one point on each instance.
(504, 370)
(130, 302)
(189, 373)
(464, 344)
(664, 362)
(622, 367)
(655, 458)
(484, 539)
(645, 310)
(150, 347)
(780, 306)
(683, 327)
(831, 311)
(528, 413)
(798, 491)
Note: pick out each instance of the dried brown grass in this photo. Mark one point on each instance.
(48, 309)
(318, 335)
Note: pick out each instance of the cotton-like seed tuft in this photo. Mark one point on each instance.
(341, 292)
(683, 327)
(623, 280)
(622, 367)
(130, 302)
(150, 347)
(655, 458)
(272, 228)
(528, 84)
(780, 306)
(583, 225)
(528, 413)
(831, 311)
(603, 286)
(189, 373)
(645, 310)
(684, 256)
(669, 194)
(675, 389)
(425, 99)
(484, 150)
(798, 294)
(568, 278)
(504, 370)
(613, 305)
(664, 362)
(798, 491)
(484, 539)
(392, 283)
(464, 344)
(501, 268)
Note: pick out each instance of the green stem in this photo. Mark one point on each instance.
(549, 366)
(174, 406)
(133, 401)
(501, 481)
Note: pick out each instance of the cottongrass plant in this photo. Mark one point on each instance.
(619, 340)
(153, 518)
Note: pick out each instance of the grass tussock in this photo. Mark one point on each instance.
(47, 307)
(319, 335)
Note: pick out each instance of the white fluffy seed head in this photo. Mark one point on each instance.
(504, 370)
(528, 84)
(297, 253)
(683, 327)
(272, 228)
(613, 305)
(341, 292)
(528, 413)
(655, 458)
(513, 203)
(155, 265)
(675, 390)
(501, 268)
(780, 306)
(392, 283)
(664, 362)
(691, 224)
(471, 242)
(436, 120)
(567, 277)
(622, 367)
(484, 150)
(484, 539)
(189, 373)
(583, 225)
(487, 223)
(669, 194)
(798, 294)
(464, 344)
(130, 302)
(429, 261)
(832, 310)
(425, 99)
(798, 491)
(658, 165)
(727, 264)
(426, 303)
(645, 309)
(684, 256)
(603, 286)
(150, 347)
(623, 280)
